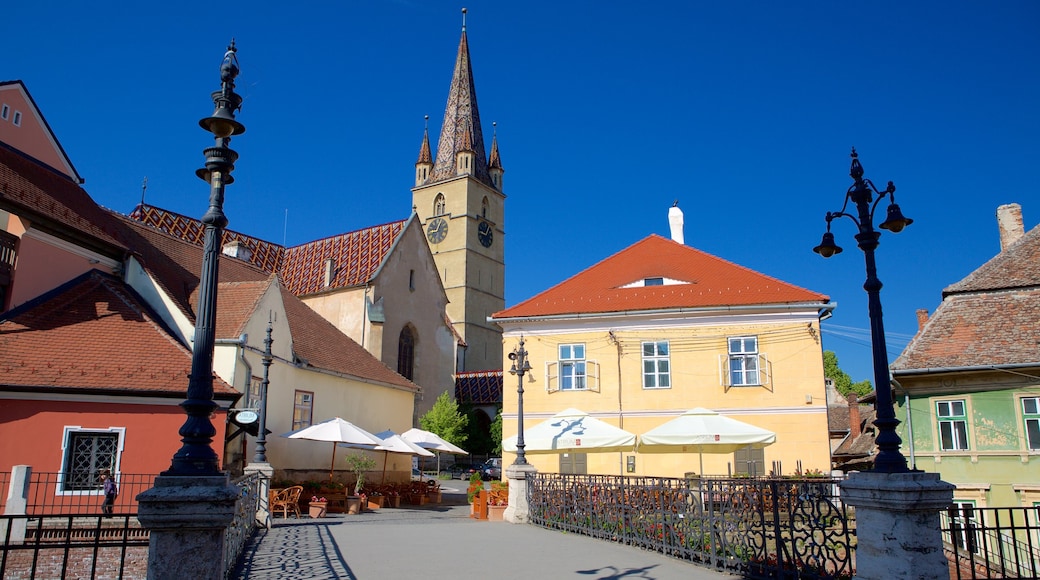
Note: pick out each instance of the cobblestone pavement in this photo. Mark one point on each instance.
(442, 541)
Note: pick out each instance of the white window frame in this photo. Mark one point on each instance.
(1031, 417)
(66, 438)
(660, 367)
(947, 418)
(5, 111)
(554, 372)
(764, 370)
(17, 118)
(574, 361)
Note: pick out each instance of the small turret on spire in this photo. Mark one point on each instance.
(464, 20)
(495, 163)
(424, 165)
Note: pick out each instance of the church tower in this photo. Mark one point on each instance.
(458, 196)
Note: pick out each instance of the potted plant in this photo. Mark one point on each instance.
(498, 500)
(318, 507)
(359, 463)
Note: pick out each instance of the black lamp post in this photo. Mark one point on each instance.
(196, 456)
(260, 455)
(861, 193)
(520, 367)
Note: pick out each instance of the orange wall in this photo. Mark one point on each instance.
(30, 137)
(41, 267)
(31, 433)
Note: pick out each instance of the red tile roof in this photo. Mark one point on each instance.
(319, 344)
(56, 204)
(236, 304)
(93, 334)
(988, 318)
(706, 281)
(357, 256)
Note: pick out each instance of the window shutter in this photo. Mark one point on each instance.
(765, 370)
(592, 375)
(724, 379)
(552, 383)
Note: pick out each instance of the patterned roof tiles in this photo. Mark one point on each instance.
(263, 254)
(479, 387)
(706, 281)
(94, 334)
(356, 256)
(461, 116)
(988, 318)
(424, 150)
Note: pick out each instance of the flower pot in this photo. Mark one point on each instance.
(317, 509)
(353, 504)
(393, 501)
(495, 513)
(375, 502)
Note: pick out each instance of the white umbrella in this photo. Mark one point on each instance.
(335, 430)
(704, 431)
(394, 443)
(433, 442)
(570, 431)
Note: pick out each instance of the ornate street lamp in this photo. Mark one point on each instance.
(520, 367)
(196, 456)
(260, 455)
(861, 193)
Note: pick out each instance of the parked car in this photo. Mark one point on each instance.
(463, 470)
(492, 468)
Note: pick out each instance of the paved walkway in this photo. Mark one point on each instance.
(441, 541)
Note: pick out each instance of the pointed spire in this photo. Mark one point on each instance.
(494, 162)
(424, 149)
(460, 115)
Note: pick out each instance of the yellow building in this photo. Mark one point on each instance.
(660, 328)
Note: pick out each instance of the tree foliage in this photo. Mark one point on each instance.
(446, 420)
(842, 381)
(496, 434)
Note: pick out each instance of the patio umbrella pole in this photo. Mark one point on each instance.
(333, 466)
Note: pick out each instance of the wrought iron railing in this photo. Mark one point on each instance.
(761, 528)
(72, 546)
(66, 494)
(992, 542)
(244, 524)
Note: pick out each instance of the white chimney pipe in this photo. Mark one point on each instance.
(675, 222)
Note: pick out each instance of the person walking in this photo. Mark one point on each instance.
(111, 491)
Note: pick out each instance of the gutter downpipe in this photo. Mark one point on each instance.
(240, 344)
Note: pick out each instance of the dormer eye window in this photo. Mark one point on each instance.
(653, 281)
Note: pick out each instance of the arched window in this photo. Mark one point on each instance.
(484, 208)
(406, 353)
(438, 204)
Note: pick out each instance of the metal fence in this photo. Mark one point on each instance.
(992, 542)
(760, 528)
(67, 494)
(65, 536)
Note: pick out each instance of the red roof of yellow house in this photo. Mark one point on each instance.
(679, 277)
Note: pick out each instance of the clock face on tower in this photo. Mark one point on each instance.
(485, 235)
(436, 231)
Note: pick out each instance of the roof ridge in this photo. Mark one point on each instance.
(369, 228)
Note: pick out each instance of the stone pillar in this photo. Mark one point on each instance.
(187, 517)
(17, 500)
(518, 510)
(263, 509)
(897, 524)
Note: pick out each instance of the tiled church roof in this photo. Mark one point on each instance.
(264, 255)
(356, 255)
(93, 334)
(479, 387)
(705, 281)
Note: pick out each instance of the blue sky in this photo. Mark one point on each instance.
(607, 112)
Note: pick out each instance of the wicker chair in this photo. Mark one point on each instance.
(287, 500)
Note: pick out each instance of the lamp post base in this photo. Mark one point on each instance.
(187, 518)
(518, 510)
(897, 523)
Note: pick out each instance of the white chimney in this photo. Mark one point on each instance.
(330, 271)
(675, 222)
(236, 249)
(1009, 221)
